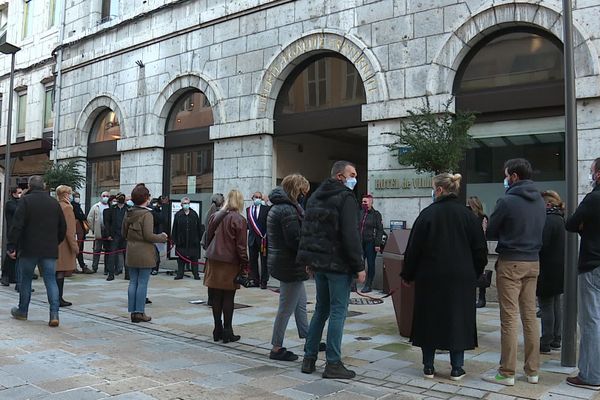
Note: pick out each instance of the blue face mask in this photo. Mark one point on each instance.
(70, 198)
(433, 195)
(130, 203)
(350, 183)
(257, 202)
(506, 183)
(185, 206)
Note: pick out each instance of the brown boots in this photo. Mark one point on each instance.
(140, 317)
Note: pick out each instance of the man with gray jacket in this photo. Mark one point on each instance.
(517, 224)
(95, 220)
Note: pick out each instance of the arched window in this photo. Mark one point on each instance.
(188, 151)
(512, 70)
(104, 161)
(513, 80)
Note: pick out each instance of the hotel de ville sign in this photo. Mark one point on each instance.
(399, 183)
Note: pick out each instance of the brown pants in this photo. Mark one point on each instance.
(517, 282)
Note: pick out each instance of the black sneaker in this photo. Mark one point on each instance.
(17, 314)
(337, 371)
(457, 374)
(545, 349)
(428, 372)
(308, 365)
(110, 277)
(555, 345)
(282, 355)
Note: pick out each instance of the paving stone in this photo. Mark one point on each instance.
(321, 388)
(295, 394)
(21, 392)
(77, 394)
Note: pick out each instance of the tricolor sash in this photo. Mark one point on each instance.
(256, 229)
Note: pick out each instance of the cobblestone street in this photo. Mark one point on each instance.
(97, 353)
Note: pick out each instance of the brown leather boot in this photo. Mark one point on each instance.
(142, 317)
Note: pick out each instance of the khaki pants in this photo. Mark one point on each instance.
(517, 282)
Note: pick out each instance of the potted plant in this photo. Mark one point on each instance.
(66, 173)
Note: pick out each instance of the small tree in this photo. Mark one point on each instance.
(67, 173)
(433, 142)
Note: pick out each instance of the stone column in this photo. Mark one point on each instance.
(244, 163)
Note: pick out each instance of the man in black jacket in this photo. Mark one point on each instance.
(586, 222)
(186, 234)
(256, 216)
(113, 232)
(517, 224)
(370, 226)
(330, 247)
(8, 265)
(38, 228)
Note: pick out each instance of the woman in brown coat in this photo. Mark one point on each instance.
(68, 248)
(138, 230)
(227, 256)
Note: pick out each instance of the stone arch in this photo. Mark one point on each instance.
(91, 111)
(441, 74)
(174, 89)
(309, 44)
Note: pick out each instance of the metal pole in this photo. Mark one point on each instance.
(7, 154)
(569, 337)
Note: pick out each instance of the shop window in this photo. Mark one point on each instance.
(106, 128)
(21, 113)
(104, 175)
(191, 111)
(191, 172)
(323, 83)
(110, 10)
(49, 108)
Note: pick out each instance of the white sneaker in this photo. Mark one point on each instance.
(500, 379)
(533, 379)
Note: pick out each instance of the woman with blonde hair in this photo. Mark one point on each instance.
(446, 252)
(550, 282)
(227, 254)
(68, 248)
(283, 230)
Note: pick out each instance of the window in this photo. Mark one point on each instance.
(21, 113)
(49, 108)
(104, 176)
(110, 10)
(106, 127)
(191, 172)
(54, 12)
(322, 83)
(192, 110)
(28, 8)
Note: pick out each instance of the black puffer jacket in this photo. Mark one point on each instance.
(371, 227)
(330, 241)
(552, 255)
(283, 230)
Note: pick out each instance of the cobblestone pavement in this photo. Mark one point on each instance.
(97, 353)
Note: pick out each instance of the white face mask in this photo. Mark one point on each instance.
(350, 183)
(77, 200)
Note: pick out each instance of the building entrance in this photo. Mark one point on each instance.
(318, 121)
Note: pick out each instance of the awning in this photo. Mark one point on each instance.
(30, 147)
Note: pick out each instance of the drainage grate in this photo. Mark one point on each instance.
(353, 313)
(363, 301)
(362, 338)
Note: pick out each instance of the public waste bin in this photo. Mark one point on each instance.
(402, 296)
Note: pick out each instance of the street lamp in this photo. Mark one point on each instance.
(7, 48)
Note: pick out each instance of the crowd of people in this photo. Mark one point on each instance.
(330, 237)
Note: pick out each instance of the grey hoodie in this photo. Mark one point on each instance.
(517, 223)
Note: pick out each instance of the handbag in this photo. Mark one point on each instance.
(86, 227)
(485, 279)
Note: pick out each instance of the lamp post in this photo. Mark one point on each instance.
(7, 48)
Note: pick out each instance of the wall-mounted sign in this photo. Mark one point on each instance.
(399, 183)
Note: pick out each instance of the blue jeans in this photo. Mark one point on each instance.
(370, 255)
(26, 266)
(589, 326)
(333, 292)
(138, 289)
(457, 358)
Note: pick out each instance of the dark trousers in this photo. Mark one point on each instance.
(457, 357)
(80, 255)
(8, 270)
(254, 254)
(99, 246)
(182, 264)
(370, 255)
(116, 261)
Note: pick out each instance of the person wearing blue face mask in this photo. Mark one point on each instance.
(186, 233)
(256, 215)
(330, 247)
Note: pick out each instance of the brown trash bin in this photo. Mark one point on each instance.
(403, 297)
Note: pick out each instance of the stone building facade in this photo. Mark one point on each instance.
(138, 60)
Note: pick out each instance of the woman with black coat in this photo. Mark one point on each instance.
(283, 230)
(550, 284)
(485, 279)
(446, 252)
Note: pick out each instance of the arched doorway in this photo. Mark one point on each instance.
(103, 159)
(188, 151)
(513, 79)
(318, 120)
